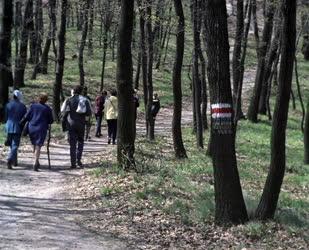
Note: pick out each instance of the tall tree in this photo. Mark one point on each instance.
(6, 13)
(262, 50)
(236, 61)
(83, 43)
(230, 205)
(180, 151)
(268, 203)
(60, 59)
(21, 58)
(126, 134)
(39, 37)
(50, 39)
(197, 81)
(149, 37)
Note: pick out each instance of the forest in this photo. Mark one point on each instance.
(222, 165)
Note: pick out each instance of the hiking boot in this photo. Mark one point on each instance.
(80, 164)
(15, 164)
(73, 166)
(9, 164)
(36, 167)
(109, 141)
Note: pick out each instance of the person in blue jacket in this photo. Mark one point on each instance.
(14, 112)
(39, 117)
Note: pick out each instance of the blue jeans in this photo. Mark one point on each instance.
(14, 140)
(76, 140)
(98, 125)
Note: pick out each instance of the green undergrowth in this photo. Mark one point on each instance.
(185, 188)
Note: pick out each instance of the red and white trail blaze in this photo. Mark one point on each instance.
(221, 114)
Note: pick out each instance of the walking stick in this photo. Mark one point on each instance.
(47, 146)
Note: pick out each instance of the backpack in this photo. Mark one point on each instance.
(81, 108)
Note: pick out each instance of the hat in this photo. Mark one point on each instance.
(18, 94)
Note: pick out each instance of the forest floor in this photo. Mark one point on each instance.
(103, 207)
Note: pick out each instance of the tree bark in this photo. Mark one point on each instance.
(90, 35)
(230, 205)
(196, 5)
(268, 203)
(262, 50)
(83, 43)
(126, 118)
(149, 37)
(39, 38)
(50, 37)
(6, 14)
(180, 151)
(236, 61)
(60, 60)
(21, 58)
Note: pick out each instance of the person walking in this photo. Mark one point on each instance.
(14, 112)
(98, 111)
(88, 118)
(39, 117)
(76, 110)
(111, 115)
(155, 105)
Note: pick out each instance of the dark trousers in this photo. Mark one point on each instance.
(14, 141)
(98, 124)
(76, 140)
(112, 129)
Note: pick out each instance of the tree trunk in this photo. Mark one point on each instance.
(90, 35)
(126, 118)
(236, 61)
(32, 34)
(263, 46)
(21, 59)
(138, 70)
(83, 43)
(180, 151)
(230, 205)
(149, 36)
(306, 136)
(196, 5)
(6, 14)
(143, 53)
(305, 27)
(50, 37)
(269, 60)
(238, 113)
(268, 203)
(60, 60)
(39, 39)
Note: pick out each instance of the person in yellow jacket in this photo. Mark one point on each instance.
(111, 115)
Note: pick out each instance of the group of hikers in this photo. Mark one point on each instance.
(76, 113)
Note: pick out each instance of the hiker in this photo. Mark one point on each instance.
(76, 109)
(88, 118)
(39, 117)
(136, 102)
(111, 115)
(155, 106)
(98, 111)
(14, 112)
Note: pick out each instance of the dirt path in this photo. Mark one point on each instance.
(35, 209)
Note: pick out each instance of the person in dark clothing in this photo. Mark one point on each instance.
(77, 109)
(40, 117)
(155, 106)
(88, 118)
(14, 112)
(98, 111)
(136, 102)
